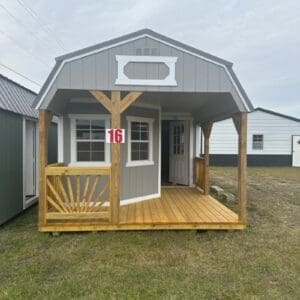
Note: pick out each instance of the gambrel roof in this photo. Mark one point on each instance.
(243, 102)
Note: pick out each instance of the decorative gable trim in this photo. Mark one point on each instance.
(164, 40)
(169, 61)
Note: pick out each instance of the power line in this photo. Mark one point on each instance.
(42, 24)
(23, 25)
(21, 75)
(23, 48)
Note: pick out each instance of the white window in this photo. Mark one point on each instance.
(88, 145)
(257, 142)
(140, 141)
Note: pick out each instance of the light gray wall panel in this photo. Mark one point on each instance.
(99, 71)
(135, 181)
(142, 180)
(67, 140)
(89, 71)
(64, 77)
(201, 80)
(76, 78)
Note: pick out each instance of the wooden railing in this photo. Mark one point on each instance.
(77, 192)
(200, 172)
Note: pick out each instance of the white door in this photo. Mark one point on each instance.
(179, 153)
(296, 150)
(30, 157)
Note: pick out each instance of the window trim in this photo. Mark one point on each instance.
(73, 144)
(135, 163)
(262, 142)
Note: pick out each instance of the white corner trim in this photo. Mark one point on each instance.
(60, 139)
(89, 164)
(131, 40)
(135, 199)
(139, 199)
(159, 151)
(28, 202)
(138, 163)
(191, 154)
(23, 160)
(169, 61)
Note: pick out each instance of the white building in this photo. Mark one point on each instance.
(273, 140)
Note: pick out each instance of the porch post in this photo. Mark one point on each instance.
(115, 106)
(240, 122)
(116, 158)
(206, 128)
(45, 117)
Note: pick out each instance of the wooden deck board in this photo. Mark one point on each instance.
(179, 205)
(177, 208)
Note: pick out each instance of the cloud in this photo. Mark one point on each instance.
(261, 37)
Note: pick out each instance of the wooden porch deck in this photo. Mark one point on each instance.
(178, 206)
(176, 209)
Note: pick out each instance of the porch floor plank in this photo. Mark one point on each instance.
(178, 205)
(180, 208)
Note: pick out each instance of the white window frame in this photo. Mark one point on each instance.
(135, 163)
(263, 141)
(73, 144)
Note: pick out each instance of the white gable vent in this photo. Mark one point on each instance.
(167, 78)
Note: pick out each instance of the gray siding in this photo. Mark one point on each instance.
(136, 181)
(11, 185)
(142, 180)
(99, 71)
(52, 144)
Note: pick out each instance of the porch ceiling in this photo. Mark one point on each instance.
(202, 106)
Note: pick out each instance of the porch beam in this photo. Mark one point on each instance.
(240, 122)
(103, 99)
(45, 118)
(116, 159)
(129, 99)
(206, 128)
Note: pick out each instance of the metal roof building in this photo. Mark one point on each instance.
(16, 98)
(18, 150)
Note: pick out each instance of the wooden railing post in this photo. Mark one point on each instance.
(206, 128)
(240, 122)
(44, 123)
(116, 158)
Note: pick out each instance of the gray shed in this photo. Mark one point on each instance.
(158, 92)
(18, 150)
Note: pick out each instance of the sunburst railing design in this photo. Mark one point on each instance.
(77, 192)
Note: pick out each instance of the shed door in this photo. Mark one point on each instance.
(30, 156)
(296, 151)
(179, 156)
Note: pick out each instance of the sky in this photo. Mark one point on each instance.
(261, 37)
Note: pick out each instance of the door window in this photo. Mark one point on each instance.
(178, 139)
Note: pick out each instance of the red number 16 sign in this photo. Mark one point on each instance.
(115, 135)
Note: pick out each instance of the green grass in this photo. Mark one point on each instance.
(260, 262)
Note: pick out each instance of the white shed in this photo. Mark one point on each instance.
(273, 140)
